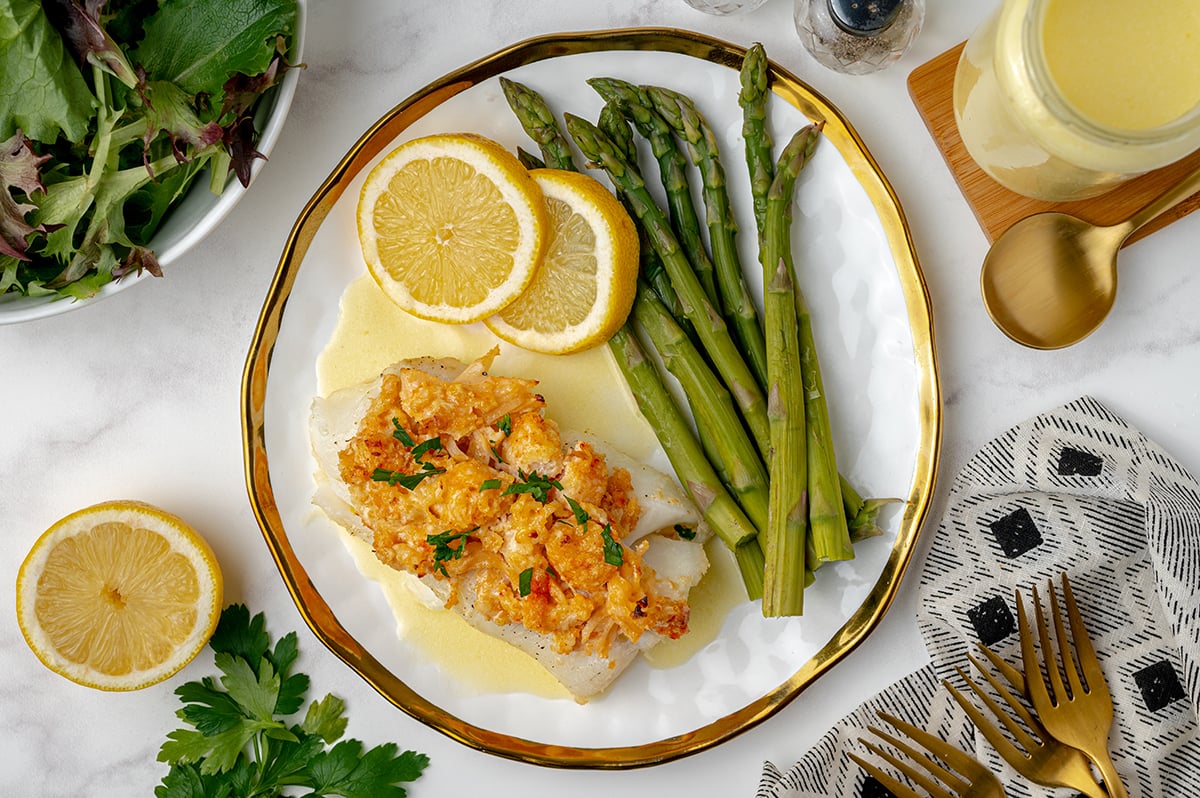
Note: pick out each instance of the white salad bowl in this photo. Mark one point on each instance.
(196, 215)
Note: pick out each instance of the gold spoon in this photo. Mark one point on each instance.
(1050, 279)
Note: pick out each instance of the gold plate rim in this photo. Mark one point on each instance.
(317, 613)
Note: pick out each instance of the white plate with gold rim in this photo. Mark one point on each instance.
(875, 335)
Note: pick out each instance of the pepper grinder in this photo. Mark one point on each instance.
(858, 36)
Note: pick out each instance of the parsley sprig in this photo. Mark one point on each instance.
(419, 450)
(239, 744)
(443, 548)
(534, 484)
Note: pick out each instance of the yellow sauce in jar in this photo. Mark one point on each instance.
(584, 392)
(1122, 64)
(1065, 99)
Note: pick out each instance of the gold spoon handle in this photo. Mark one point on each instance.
(1163, 203)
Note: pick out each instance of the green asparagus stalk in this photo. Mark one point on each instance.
(784, 543)
(826, 513)
(720, 429)
(681, 114)
(710, 328)
(695, 473)
(673, 168)
(753, 100)
(539, 123)
(529, 160)
(616, 126)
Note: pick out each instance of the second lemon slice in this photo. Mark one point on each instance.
(584, 289)
(452, 227)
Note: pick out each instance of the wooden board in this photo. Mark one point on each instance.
(931, 87)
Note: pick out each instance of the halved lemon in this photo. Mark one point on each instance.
(584, 289)
(452, 227)
(118, 596)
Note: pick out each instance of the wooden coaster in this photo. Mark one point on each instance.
(931, 87)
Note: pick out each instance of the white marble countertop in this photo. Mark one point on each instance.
(137, 396)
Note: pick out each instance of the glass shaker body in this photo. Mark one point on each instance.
(725, 7)
(830, 31)
(1021, 130)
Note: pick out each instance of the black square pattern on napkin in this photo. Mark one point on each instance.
(1159, 685)
(992, 619)
(871, 788)
(1076, 462)
(1016, 533)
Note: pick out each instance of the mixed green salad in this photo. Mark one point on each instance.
(109, 112)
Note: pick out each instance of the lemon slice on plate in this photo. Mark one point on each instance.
(118, 596)
(452, 227)
(584, 289)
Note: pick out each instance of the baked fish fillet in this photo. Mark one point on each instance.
(677, 564)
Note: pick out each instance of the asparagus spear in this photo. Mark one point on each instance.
(672, 165)
(720, 429)
(615, 125)
(784, 542)
(753, 99)
(826, 514)
(538, 121)
(679, 112)
(529, 160)
(710, 328)
(695, 473)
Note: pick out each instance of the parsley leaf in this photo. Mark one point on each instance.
(490, 484)
(400, 434)
(685, 532)
(409, 481)
(505, 424)
(525, 582)
(424, 447)
(581, 515)
(614, 553)
(240, 743)
(443, 552)
(533, 484)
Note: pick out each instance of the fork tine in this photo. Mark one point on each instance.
(941, 749)
(896, 787)
(1035, 684)
(1051, 658)
(989, 731)
(1016, 706)
(1004, 746)
(1084, 651)
(918, 759)
(1010, 674)
(1066, 651)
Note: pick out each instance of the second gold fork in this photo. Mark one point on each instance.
(1079, 712)
(1035, 755)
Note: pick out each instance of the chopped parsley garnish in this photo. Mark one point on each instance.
(242, 736)
(443, 551)
(614, 553)
(525, 582)
(399, 433)
(424, 447)
(505, 424)
(490, 484)
(685, 532)
(496, 454)
(533, 484)
(581, 516)
(409, 481)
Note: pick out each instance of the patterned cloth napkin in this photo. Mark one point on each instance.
(1075, 490)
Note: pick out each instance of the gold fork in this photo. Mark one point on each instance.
(947, 774)
(1080, 712)
(1036, 755)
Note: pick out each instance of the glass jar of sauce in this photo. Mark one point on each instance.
(1065, 99)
